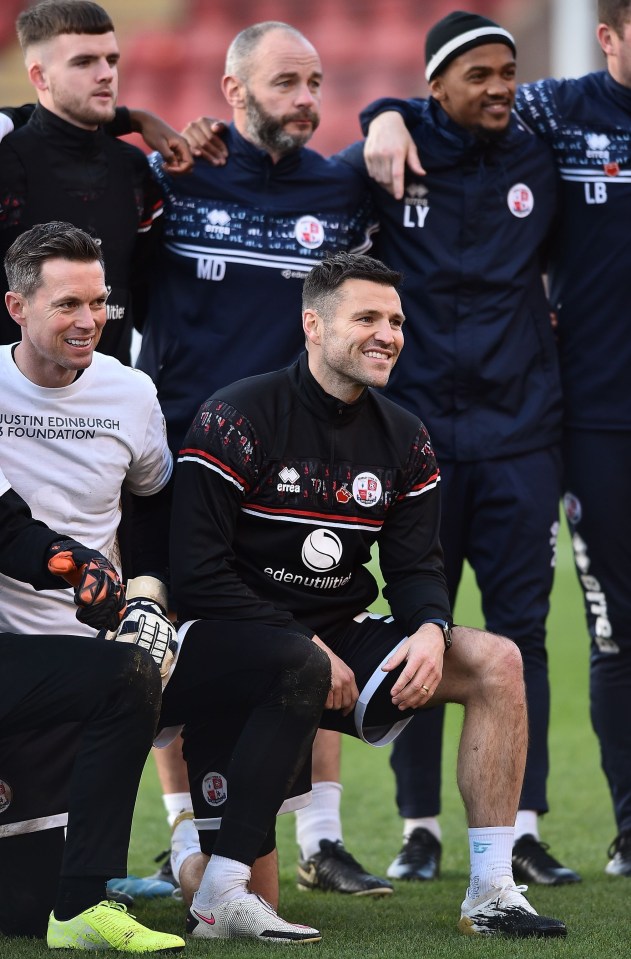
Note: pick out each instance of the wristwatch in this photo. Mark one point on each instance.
(445, 625)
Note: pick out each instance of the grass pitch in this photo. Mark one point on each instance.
(419, 920)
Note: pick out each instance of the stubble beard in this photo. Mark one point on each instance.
(270, 134)
(75, 111)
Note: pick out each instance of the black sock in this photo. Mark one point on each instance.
(76, 894)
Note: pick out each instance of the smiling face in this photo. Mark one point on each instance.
(76, 76)
(477, 89)
(276, 102)
(358, 341)
(61, 321)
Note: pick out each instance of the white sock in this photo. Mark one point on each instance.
(175, 803)
(491, 851)
(526, 823)
(320, 819)
(425, 822)
(223, 880)
(184, 843)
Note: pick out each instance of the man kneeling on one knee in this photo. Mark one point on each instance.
(284, 483)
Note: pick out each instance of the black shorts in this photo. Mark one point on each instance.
(212, 725)
(35, 768)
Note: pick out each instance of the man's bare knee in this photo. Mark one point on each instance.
(481, 663)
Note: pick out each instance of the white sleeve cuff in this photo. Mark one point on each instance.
(6, 125)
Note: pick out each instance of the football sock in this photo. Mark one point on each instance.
(184, 843)
(175, 803)
(319, 820)
(526, 823)
(491, 851)
(223, 880)
(425, 822)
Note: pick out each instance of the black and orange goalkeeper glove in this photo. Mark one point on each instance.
(98, 591)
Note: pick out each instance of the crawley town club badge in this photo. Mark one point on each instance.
(520, 200)
(214, 789)
(6, 795)
(309, 232)
(366, 489)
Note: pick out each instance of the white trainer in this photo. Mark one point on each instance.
(249, 917)
(506, 911)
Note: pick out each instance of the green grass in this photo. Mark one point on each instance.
(420, 921)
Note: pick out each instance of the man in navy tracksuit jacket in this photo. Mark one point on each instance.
(587, 123)
(238, 242)
(480, 367)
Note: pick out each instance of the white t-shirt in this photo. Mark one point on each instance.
(4, 484)
(67, 451)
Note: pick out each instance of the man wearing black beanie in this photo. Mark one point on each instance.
(481, 370)
(455, 34)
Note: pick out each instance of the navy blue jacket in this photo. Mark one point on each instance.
(238, 242)
(479, 364)
(587, 122)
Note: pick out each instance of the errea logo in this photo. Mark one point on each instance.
(218, 223)
(416, 190)
(597, 144)
(288, 480)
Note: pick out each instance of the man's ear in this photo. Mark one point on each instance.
(234, 91)
(312, 325)
(37, 76)
(437, 89)
(16, 306)
(603, 35)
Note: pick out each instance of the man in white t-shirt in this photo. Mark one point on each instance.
(75, 427)
(74, 424)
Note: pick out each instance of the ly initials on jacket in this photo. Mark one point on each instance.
(416, 205)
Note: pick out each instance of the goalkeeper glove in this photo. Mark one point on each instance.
(98, 591)
(145, 624)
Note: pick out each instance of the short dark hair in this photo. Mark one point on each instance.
(46, 241)
(614, 13)
(323, 282)
(51, 18)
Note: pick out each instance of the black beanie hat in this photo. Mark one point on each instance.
(457, 33)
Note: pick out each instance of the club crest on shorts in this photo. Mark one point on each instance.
(309, 232)
(322, 550)
(6, 795)
(366, 489)
(214, 789)
(572, 507)
(520, 200)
